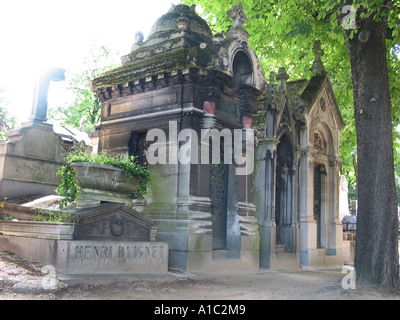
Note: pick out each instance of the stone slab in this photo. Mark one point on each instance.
(92, 257)
(38, 229)
(13, 189)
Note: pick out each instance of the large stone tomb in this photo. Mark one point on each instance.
(183, 78)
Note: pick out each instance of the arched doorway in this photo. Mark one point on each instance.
(284, 193)
(218, 198)
(318, 201)
(242, 70)
(321, 196)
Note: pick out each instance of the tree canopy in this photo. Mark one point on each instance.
(85, 110)
(7, 121)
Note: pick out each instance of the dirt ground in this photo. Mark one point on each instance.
(21, 279)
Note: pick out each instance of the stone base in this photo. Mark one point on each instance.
(30, 161)
(219, 260)
(321, 257)
(89, 198)
(194, 253)
(284, 261)
(92, 257)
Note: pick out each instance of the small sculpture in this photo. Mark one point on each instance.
(237, 15)
(138, 41)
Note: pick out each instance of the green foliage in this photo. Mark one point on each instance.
(7, 121)
(54, 216)
(2, 203)
(85, 110)
(68, 187)
(129, 167)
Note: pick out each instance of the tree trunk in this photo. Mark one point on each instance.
(376, 259)
(355, 173)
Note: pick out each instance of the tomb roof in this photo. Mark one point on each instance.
(180, 17)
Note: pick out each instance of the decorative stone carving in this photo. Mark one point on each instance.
(101, 183)
(114, 222)
(237, 15)
(318, 142)
(182, 23)
(322, 103)
(317, 65)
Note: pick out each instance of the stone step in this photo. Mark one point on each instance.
(224, 255)
(219, 254)
(280, 248)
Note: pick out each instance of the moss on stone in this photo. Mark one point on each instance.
(169, 61)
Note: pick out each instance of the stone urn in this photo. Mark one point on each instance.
(101, 183)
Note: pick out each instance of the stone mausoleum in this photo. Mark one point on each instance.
(284, 213)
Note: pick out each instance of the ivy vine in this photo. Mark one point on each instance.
(128, 165)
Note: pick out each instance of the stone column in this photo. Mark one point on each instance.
(308, 227)
(325, 214)
(335, 234)
(264, 193)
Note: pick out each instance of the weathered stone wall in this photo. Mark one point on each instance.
(30, 161)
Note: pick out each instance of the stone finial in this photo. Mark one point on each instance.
(138, 40)
(282, 74)
(237, 15)
(282, 77)
(317, 65)
(271, 77)
(271, 98)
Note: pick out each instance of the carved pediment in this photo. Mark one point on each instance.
(114, 222)
(322, 103)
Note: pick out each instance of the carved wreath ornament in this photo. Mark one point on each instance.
(117, 226)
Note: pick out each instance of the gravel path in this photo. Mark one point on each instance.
(21, 279)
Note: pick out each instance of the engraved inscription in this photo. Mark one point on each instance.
(136, 251)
